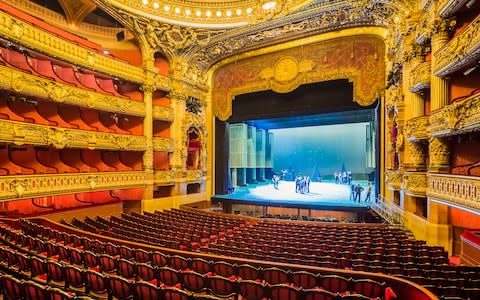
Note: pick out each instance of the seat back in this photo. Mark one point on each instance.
(283, 292)
(35, 291)
(168, 276)
(12, 288)
(147, 291)
(254, 290)
(222, 287)
(120, 287)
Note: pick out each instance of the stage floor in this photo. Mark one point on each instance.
(322, 194)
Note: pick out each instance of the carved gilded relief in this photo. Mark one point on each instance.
(462, 190)
(358, 59)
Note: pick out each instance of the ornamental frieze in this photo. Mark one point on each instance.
(30, 186)
(456, 118)
(461, 51)
(32, 37)
(162, 144)
(164, 178)
(354, 58)
(414, 183)
(420, 77)
(393, 179)
(162, 113)
(39, 87)
(460, 190)
(21, 133)
(417, 129)
(194, 175)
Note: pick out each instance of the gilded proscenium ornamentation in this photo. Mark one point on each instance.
(393, 179)
(287, 74)
(461, 51)
(39, 87)
(162, 113)
(29, 36)
(162, 144)
(416, 129)
(354, 58)
(21, 133)
(420, 77)
(30, 186)
(393, 99)
(164, 178)
(456, 118)
(414, 183)
(461, 190)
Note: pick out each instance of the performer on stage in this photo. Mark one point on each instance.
(369, 191)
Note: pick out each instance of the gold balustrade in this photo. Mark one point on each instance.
(447, 8)
(162, 144)
(393, 179)
(28, 35)
(162, 113)
(416, 129)
(39, 87)
(420, 77)
(456, 189)
(164, 178)
(462, 50)
(21, 133)
(414, 183)
(456, 118)
(30, 186)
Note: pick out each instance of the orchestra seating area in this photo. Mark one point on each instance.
(369, 248)
(78, 265)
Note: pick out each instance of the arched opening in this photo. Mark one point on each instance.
(193, 148)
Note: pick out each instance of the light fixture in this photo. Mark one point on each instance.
(269, 4)
(198, 13)
(188, 12)
(177, 10)
(249, 10)
(208, 13)
(239, 12)
(166, 8)
(229, 13)
(145, 2)
(219, 13)
(155, 5)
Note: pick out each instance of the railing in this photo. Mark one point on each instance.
(21, 133)
(162, 113)
(164, 178)
(162, 144)
(389, 212)
(417, 129)
(420, 77)
(30, 186)
(455, 189)
(460, 51)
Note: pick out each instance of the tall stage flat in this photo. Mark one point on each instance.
(322, 195)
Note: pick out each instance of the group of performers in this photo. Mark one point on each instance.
(356, 192)
(344, 177)
(302, 184)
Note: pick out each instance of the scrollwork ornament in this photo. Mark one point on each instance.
(438, 151)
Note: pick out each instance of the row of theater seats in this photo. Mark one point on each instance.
(64, 73)
(28, 160)
(67, 254)
(380, 249)
(67, 116)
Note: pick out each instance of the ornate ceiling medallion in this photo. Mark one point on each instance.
(213, 14)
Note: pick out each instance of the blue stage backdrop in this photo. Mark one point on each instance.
(318, 151)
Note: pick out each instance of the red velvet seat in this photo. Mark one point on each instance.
(147, 291)
(222, 287)
(193, 281)
(121, 288)
(126, 252)
(283, 292)
(224, 268)
(175, 294)
(76, 279)
(126, 269)
(160, 259)
(178, 262)
(169, 276)
(275, 276)
(304, 279)
(98, 285)
(12, 288)
(335, 283)
(55, 274)
(143, 256)
(108, 264)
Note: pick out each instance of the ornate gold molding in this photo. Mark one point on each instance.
(162, 113)
(447, 8)
(164, 178)
(393, 179)
(29, 186)
(35, 86)
(31, 37)
(461, 190)
(420, 77)
(460, 51)
(354, 58)
(456, 118)
(21, 133)
(194, 176)
(416, 129)
(162, 144)
(414, 183)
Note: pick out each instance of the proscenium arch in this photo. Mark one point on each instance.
(269, 74)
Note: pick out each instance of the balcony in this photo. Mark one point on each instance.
(194, 176)
(164, 178)
(456, 118)
(414, 183)
(162, 113)
(393, 179)
(459, 190)
(30, 186)
(420, 77)
(447, 8)
(459, 52)
(21, 133)
(416, 130)
(162, 144)
(40, 87)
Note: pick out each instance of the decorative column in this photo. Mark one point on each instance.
(439, 88)
(179, 154)
(417, 108)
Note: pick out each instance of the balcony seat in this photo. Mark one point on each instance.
(67, 74)
(11, 167)
(29, 111)
(94, 158)
(88, 81)
(73, 116)
(112, 159)
(28, 159)
(108, 86)
(108, 121)
(7, 113)
(73, 158)
(52, 158)
(44, 67)
(17, 60)
(92, 118)
(49, 111)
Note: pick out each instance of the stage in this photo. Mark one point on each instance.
(322, 195)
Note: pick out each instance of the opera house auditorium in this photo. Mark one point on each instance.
(240, 149)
